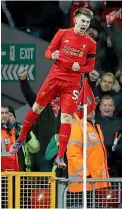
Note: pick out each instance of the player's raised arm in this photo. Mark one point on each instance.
(54, 45)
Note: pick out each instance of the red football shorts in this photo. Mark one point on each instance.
(67, 92)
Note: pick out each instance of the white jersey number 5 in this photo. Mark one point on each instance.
(75, 94)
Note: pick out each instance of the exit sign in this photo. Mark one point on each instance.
(15, 57)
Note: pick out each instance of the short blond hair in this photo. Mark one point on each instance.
(110, 75)
(84, 11)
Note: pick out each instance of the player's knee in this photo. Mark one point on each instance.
(37, 108)
(66, 118)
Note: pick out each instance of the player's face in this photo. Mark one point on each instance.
(82, 23)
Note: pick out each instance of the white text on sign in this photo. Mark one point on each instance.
(26, 53)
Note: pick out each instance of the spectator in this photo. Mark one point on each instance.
(118, 102)
(110, 124)
(46, 121)
(106, 58)
(9, 132)
(119, 77)
(96, 31)
(105, 86)
(95, 28)
(116, 87)
(116, 34)
(96, 166)
(29, 148)
(96, 157)
(52, 148)
(118, 96)
(93, 33)
(8, 162)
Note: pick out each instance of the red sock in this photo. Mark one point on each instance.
(64, 135)
(31, 117)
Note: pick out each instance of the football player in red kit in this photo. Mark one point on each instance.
(74, 53)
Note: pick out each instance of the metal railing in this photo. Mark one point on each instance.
(38, 190)
(28, 190)
(110, 197)
(6, 187)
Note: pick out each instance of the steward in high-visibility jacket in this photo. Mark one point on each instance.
(9, 162)
(96, 156)
(22, 160)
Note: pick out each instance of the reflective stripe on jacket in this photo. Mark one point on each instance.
(8, 161)
(96, 155)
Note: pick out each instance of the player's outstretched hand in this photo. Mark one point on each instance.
(75, 66)
(55, 55)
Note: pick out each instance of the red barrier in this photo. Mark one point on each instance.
(40, 198)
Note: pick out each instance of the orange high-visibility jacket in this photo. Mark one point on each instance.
(96, 155)
(9, 162)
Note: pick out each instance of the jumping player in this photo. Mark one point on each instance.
(74, 52)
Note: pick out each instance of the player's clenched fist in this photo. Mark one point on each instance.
(55, 55)
(75, 66)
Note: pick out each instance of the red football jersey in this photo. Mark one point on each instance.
(73, 48)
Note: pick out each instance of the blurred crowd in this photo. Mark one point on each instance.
(43, 19)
